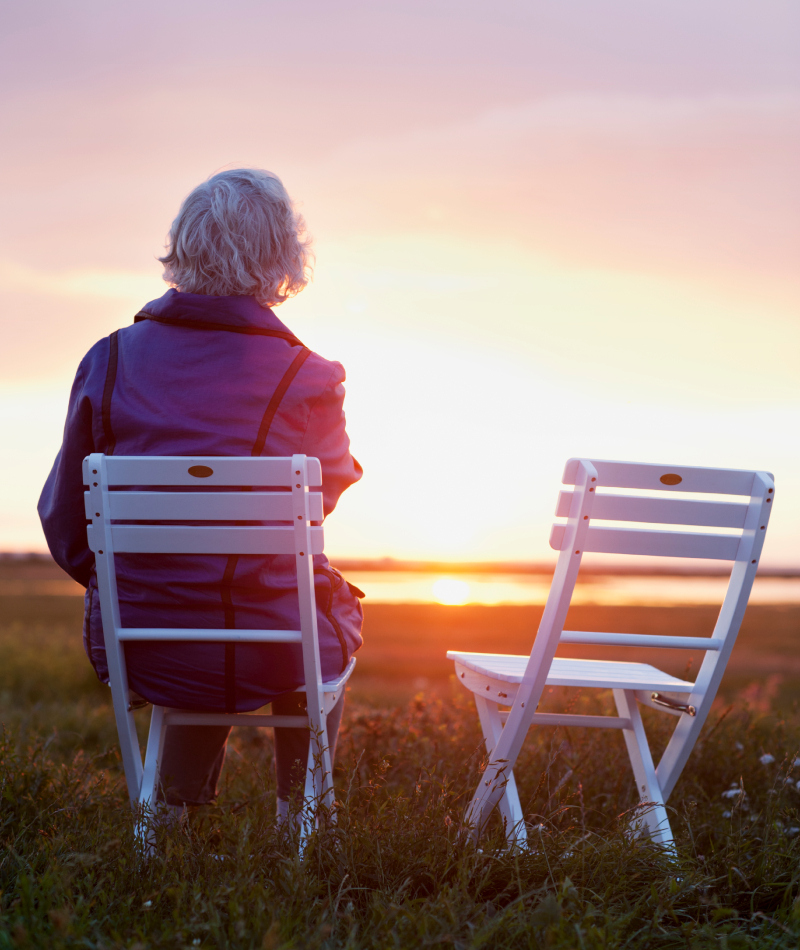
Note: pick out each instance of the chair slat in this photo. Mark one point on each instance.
(721, 547)
(640, 640)
(722, 481)
(174, 470)
(203, 506)
(566, 671)
(710, 514)
(213, 636)
(162, 539)
(186, 717)
(563, 719)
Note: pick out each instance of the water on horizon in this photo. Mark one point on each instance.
(456, 589)
(601, 590)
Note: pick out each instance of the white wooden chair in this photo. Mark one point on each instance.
(518, 681)
(108, 510)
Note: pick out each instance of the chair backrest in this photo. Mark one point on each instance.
(589, 500)
(592, 499)
(127, 490)
(745, 521)
(666, 510)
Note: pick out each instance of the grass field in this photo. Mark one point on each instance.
(393, 871)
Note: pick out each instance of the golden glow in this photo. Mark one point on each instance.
(448, 590)
(439, 405)
(573, 290)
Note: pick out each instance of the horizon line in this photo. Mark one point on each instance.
(538, 568)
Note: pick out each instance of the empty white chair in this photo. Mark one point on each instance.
(517, 682)
(288, 500)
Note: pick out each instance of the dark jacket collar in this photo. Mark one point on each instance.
(202, 312)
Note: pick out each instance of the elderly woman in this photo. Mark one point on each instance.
(208, 369)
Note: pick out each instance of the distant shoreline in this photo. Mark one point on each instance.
(538, 568)
(534, 568)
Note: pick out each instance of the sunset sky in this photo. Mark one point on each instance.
(542, 229)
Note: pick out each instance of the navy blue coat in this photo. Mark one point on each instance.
(200, 375)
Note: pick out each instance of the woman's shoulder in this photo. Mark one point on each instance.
(330, 371)
(95, 362)
(314, 371)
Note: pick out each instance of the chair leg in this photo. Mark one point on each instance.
(326, 777)
(655, 819)
(308, 814)
(128, 740)
(318, 788)
(147, 794)
(509, 805)
(679, 748)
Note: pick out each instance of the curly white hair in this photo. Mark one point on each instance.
(238, 233)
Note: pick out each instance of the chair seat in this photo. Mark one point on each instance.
(333, 686)
(600, 674)
(331, 692)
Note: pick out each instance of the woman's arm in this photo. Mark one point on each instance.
(327, 440)
(61, 506)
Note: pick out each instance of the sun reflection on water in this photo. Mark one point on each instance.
(394, 587)
(448, 590)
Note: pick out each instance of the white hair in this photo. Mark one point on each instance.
(239, 234)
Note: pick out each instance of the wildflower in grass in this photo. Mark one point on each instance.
(767, 759)
(739, 747)
(793, 830)
(726, 814)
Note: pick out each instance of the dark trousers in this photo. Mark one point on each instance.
(193, 755)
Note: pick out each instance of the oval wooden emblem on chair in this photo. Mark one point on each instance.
(203, 471)
(669, 479)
